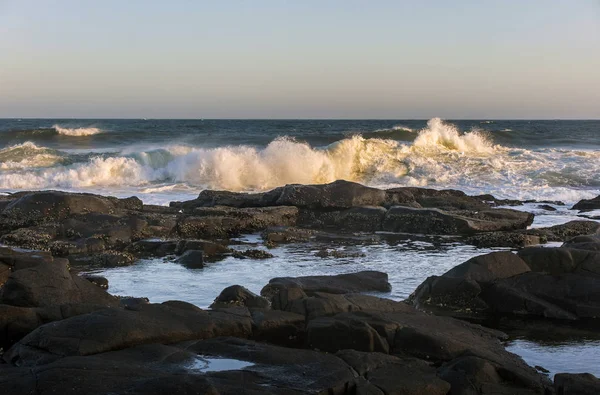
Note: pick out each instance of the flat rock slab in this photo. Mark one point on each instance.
(365, 281)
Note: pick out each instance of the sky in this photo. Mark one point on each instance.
(534, 59)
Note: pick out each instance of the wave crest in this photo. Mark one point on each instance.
(76, 132)
(28, 155)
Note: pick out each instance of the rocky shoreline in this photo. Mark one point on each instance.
(62, 332)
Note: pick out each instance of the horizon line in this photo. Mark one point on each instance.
(300, 119)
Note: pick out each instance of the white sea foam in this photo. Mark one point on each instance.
(76, 132)
(440, 157)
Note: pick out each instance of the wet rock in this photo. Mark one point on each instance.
(332, 334)
(209, 198)
(153, 248)
(86, 246)
(104, 259)
(253, 254)
(505, 239)
(325, 253)
(576, 384)
(227, 222)
(45, 206)
(278, 327)
(209, 248)
(546, 207)
(286, 234)
(364, 218)
(338, 194)
(557, 261)
(473, 375)
(98, 281)
(365, 281)
(588, 204)
(546, 283)
(33, 238)
(566, 231)
(16, 322)
(192, 259)
(152, 323)
(45, 283)
(236, 295)
(589, 243)
(489, 267)
(434, 221)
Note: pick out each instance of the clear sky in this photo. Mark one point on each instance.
(300, 59)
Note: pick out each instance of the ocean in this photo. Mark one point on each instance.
(165, 160)
(172, 160)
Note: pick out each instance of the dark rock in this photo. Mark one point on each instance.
(17, 322)
(552, 283)
(576, 384)
(153, 247)
(366, 281)
(98, 281)
(209, 248)
(281, 234)
(556, 261)
(473, 375)
(208, 198)
(192, 259)
(253, 254)
(236, 295)
(566, 231)
(227, 222)
(338, 194)
(546, 207)
(505, 239)
(49, 283)
(33, 238)
(588, 204)
(338, 333)
(109, 258)
(46, 206)
(325, 253)
(85, 246)
(434, 221)
(489, 267)
(363, 218)
(115, 329)
(278, 327)
(588, 243)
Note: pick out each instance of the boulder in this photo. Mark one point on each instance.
(48, 283)
(226, 222)
(210, 249)
(576, 384)
(546, 283)
(236, 295)
(365, 281)
(587, 204)
(115, 329)
(45, 206)
(192, 259)
(338, 194)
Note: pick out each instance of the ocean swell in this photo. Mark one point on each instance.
(439, 156)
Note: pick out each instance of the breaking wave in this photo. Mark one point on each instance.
(440, 156)
(28, 155)
(76, 132)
